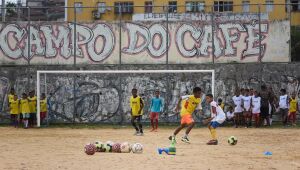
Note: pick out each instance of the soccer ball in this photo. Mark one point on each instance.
(99, 146)
(116, 147)
(137, 148)
(90, 149)
(232, 140)
(111, 143)
(106, 148)
(125, 147)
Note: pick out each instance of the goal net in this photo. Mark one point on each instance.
(93, 96)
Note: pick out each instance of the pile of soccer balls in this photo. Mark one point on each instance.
(109, 146)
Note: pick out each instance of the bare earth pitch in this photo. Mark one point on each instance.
(62, 148)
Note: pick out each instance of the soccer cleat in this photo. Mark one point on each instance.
(136, 133)
(185, 139)
(140, 134)
(212, 142)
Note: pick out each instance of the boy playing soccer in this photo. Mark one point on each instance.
(217, 118)
(136, 105)
(43, 104)
(156, 107)
(283, 106)
(24, 105)
(32, 107)
(238, 110)
(293, 109)
(255, 105)
(246, 108)
(14, 110)
(189, 104)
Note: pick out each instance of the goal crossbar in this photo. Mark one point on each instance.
(39, 72)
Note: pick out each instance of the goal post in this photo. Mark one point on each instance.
(40, 72)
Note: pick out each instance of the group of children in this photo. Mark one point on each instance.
(24, 110)
(250, 104)
(187, 105)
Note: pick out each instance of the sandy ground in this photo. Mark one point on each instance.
(62, 148)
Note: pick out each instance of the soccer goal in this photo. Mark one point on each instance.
(47, 77)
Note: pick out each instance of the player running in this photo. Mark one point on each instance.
(190, 103)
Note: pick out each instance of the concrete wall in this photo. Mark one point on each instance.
(105, 98)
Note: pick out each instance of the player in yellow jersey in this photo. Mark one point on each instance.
(136, 105)
(189, 103)
(24, 107)
(32, 106)
(43, 104)
(11, 96)
(293, 109)
(14, 110)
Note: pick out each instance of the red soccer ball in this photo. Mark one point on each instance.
(90, 149)
(116, 148)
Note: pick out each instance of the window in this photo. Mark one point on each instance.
(148, 7)
(124, 7)
(78, 7)
(194, 6)
(246, 6)
(223, 6)
(269, 6)
(295, 5)
(172, 6)
(101, 7)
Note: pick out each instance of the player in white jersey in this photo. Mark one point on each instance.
(238, 109)
(255, 107)
(217, 118)
(284, 106)
(247, 108)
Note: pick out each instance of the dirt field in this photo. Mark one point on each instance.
(62, 148)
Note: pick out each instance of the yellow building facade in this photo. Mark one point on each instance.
(111, 10)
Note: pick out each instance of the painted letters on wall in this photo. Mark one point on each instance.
(234, 39)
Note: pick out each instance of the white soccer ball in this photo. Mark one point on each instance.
(232, 140)
(111, 143)
(137, 148)
(125, 147)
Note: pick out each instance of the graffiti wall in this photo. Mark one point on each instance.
(235, 39)
(105, 98)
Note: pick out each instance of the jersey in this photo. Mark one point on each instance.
(237, 100)
(44, 105)
(189, 104)
(293, 105)
(24, 105)
(283, 102)
(265, 98)
(246, 102)
(135, 105)
(220, 115)
(222, 105)
(10, 97)
(32, 104)
(14, 107)
(156, 104)
(230, 114)
(256, 103)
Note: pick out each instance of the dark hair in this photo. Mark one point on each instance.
(230, 107)
(209, 95)
(24, 94)
(247, 90)
(242, 89)
(263, 87)
(283, 90)
(196, 89)
(220, 100)
(134, 89)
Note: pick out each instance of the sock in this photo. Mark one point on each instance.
(213, 133)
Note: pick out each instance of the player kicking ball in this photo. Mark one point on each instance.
(217, 118)
(189, 104)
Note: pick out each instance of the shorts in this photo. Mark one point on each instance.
(153, 115)
(247, 113)
(25, 115)
(33, 116)
(43, 115)
(187, 119)
(284, 112)
(214, 124)
(238, 113)
(264, 112)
